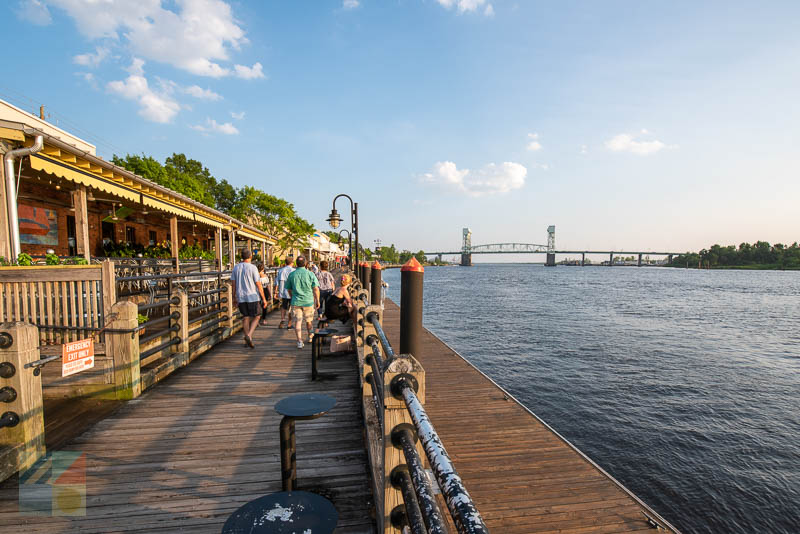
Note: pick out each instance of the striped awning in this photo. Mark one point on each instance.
(79, 176)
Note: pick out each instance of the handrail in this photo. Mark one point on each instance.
(465, 515)
(373, 319)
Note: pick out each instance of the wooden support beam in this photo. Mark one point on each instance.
(22, 445)
(81, 222)
(173, 233)
(396, 414)
(232, 247)
(123, 348)
(218, 247)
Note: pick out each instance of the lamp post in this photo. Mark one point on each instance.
(349, 242)
(334, 220)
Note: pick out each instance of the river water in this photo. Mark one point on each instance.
(683, 384)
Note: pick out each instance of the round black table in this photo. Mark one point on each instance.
(285, 512)
(297, 407)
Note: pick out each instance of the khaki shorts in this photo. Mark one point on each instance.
(303, 312)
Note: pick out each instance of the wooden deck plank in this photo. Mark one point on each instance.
(521, 475)
(204, 441)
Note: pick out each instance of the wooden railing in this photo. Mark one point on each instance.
(66, 303)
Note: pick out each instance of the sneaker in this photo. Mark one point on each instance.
(282, 324)
(290, 327)
(310, 337)
(249, 342)
(300, 345)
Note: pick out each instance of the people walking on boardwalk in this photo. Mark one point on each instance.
(339, 304)
(326, 287)
(280, 289)
(248, 295)
(303, 287)
(267, 293)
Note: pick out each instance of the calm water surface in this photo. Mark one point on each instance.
(683, 384)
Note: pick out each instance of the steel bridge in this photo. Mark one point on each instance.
(468, 249)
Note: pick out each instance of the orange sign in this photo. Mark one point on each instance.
(77, 356)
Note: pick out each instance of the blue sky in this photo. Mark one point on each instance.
(627, 124)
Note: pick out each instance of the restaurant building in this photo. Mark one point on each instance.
(72, 203)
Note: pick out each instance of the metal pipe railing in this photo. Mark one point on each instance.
(434, 522)
(159, 348)
(400, 479)
(373, 318)
(465, 515)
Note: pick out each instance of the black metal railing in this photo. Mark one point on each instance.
(404, 436)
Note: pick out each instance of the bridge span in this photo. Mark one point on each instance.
(468, 249)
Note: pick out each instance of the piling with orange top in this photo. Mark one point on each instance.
(375, 284)
(411, 283)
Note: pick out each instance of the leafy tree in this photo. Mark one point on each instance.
(274, 215)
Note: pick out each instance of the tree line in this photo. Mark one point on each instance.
(759, 255)
(385, 254)
(190, 177)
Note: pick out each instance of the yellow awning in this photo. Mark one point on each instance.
(207, 220)
(250, 235)
(68, 172)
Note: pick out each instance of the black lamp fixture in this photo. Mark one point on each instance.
(334, 219)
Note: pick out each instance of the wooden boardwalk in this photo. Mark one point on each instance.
(521, 475)
(194, 448)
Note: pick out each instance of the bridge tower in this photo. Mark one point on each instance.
(551, 246)
(466, 248)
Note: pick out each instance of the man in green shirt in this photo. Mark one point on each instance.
(303, 287)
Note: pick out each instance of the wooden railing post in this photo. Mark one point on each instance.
(182, 308)
(123, 348)
(22, 442)
(368, 330)
(396, 415)
(229, 294)
(109, 286)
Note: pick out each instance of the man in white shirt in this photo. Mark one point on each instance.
(280, 289)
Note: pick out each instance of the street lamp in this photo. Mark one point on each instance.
(335, 220)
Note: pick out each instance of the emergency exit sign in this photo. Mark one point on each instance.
(77, 356)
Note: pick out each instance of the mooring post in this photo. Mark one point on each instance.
(411, 281)
(396, 419)
(583, 259)
(610, 259)
(640, 261)
(123, 347)
(22, 416)
(375, 285)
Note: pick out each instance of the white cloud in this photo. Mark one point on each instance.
(92, 60)
(489, 11)
(466, 5)
(584, 149)
(489, 180)
(533, 142)
(34, 11)
(212, 126)
(350, 4)
(629, 143)
(249, 73)
(203, 94)
(156, 106)
(198, 36)
(238, 116)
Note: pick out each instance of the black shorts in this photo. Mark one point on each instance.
(250, 309)
(285, 303)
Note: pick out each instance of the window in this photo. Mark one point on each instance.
(130, 234)
(108, 233)
(153, 237)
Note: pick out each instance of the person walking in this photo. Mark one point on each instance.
(248, 295)
(280, 289)
(303, 287)
(326, 287)
(262, 273)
